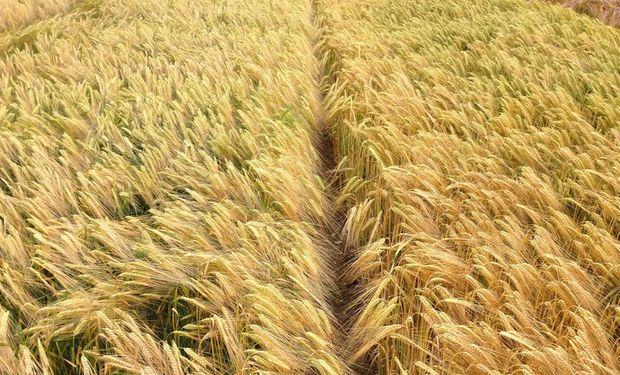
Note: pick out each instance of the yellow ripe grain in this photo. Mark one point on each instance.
(474, 175)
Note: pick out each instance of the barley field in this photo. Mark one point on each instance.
(481, 175)
(161, 207)
(607, 11)
(19, 13)
(330, 187)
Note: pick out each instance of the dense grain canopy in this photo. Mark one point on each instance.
(159, 199)
(164, 207)
(19, 13)
(481, 171)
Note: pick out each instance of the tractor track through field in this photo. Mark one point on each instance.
(339, 255)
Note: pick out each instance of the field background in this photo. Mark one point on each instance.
(309, 187)
(480, 173)
(15, 14)
(607, 11)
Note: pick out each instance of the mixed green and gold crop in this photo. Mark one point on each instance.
(330, 187)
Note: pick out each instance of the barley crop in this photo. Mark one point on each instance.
(480, 168)
(161, 206)
(607, 11)
(167, 205)
(19, 13)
